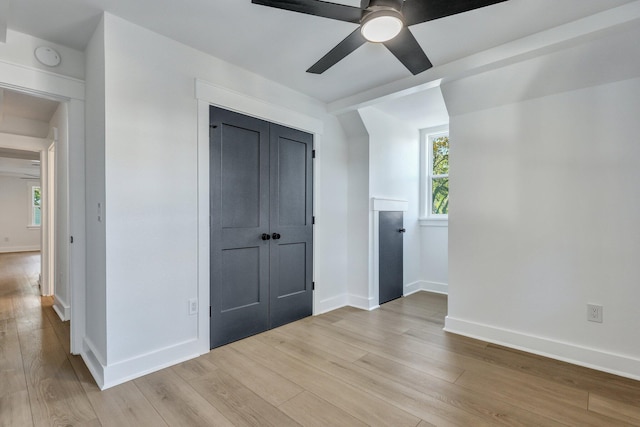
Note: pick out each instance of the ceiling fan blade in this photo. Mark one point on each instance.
(418, 11)
(317, 8)
(405, 47)
(342, 49)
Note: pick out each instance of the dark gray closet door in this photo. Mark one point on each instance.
(291, 225)
(391, 256)
(239, 197)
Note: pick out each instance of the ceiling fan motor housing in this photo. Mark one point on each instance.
(388, 4)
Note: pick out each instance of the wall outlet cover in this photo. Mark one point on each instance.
(193, 306)
(594, 313)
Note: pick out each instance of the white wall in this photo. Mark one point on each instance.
(356, 293)
(331, 209)
(19, 49)
(15, 235)
(62, 291)
(434, 272)
(147, 138)
(96, 296)
(546, 208)
(394, 173)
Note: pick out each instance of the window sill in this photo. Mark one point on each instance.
(433, 222)
(33, 227)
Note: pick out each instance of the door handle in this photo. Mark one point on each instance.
(402, 230)
(276, 236)
(265, 236)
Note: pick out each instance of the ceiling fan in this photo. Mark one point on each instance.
(380, 21)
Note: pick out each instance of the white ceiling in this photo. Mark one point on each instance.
(19, 164)
(22, 114)
(26, 115)
(281, 45)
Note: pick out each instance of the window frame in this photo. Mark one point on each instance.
(31, 189)
(427, 136)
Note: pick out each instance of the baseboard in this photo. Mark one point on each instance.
(435, 287)
(108, 376)
(62, 309)
(20, 249)
(94, 361)
(578, 355)
(362, 303)
(331, 304)
(423, 285)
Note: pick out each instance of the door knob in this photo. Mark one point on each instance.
(276, 236)
(402, 230)
(265, 236)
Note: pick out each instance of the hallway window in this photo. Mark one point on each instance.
(35, 211)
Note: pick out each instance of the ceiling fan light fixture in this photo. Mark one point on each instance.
(381, 25)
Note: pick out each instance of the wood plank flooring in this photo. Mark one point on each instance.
(390, 367)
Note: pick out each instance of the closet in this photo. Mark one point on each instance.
(261, 224)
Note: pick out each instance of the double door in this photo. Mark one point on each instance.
(261, 180)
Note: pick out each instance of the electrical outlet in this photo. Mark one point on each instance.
(193, 306)
(594, 313)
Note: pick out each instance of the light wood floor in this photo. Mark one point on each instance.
(390, 367)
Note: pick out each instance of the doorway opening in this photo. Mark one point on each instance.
(34, 173)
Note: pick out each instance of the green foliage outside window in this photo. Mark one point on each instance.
(440, 180)
(37, 205)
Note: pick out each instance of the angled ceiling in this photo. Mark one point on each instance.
(22, 114)
(281, 45)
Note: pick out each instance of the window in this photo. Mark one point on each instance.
(439, 174)
(435, 176)
(35, 206)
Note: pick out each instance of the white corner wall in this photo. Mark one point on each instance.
(434, 262)
(15, 235)
(147, 137)
(545, 215)
(394, 173)
(94, 345)
(62, 291)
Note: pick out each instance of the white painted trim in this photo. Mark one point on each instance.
(40, 82)
(435, 287)
(76, 222)
(601, 360)
(240, 102)
(111, 375)
(210, 94)
(433, 222)
(381, 204)
(136, 367)
(331, 304)
(363, 303)
(203, 228)
(537, 44)
(91, 359)
(7, 250)
(88, 345)
(62, 309)
(426, 286)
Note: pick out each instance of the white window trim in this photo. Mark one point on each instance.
(31, 186)
(427, 219)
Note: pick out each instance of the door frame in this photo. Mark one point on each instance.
(69, 90)
(208, 94)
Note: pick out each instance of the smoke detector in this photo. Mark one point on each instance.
(47, 56)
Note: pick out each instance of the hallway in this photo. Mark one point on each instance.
(39, 384)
